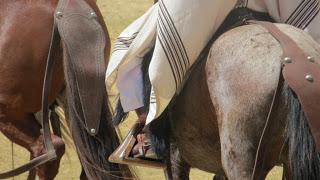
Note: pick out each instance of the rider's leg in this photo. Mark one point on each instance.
(130, 85)
(142, 148)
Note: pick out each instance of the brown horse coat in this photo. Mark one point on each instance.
(25, 31)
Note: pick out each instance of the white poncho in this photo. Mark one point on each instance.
(179, 30)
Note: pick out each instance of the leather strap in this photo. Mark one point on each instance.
(49, 148)
(303, 77)
(80, 32)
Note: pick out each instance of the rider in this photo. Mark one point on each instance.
(178, 31)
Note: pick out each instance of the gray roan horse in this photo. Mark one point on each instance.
(217, 119)
(25, 31)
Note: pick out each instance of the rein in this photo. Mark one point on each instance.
(49, 148)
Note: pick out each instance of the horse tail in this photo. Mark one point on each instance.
(304, 160)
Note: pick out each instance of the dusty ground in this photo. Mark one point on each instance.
(118, 14)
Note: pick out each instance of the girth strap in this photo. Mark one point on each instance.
(50, 153)
(302, 74)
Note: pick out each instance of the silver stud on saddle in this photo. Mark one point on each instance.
(287, 60)
(93, 131)
(59, 14)
(310, 58)
(309, 78)
(93, 15)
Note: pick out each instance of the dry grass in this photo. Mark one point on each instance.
(118, 14)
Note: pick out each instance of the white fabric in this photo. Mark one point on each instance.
(124, 69)
(172, 24)
(180, 29)
(131, 95)
(184, 28)
(303, 14)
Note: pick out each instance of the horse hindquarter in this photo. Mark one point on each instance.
(242, 82)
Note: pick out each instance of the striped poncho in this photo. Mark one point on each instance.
(179, 30)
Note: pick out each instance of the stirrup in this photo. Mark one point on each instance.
(122, 154)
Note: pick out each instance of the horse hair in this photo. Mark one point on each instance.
(93, 150)
(119, 115)
(304, 160)
(160, 134)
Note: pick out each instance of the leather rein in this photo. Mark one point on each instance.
(50, 153)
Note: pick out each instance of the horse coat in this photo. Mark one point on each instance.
(179, 30)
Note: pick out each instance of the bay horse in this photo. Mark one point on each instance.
(26, 27)
(216, 120)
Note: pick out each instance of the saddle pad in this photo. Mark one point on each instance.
(84, 42)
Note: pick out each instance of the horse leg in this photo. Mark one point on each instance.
(238, 148)
(32, 173)
(50, 169)
(240, 127)
(55, 123)
(286, 174)
(219, 177)
(177, 167)
(83, 175)
(25, 131)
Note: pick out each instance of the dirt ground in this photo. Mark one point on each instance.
(118, 14)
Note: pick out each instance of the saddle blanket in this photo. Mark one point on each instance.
(179, 30)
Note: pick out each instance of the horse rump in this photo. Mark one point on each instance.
(304, 160)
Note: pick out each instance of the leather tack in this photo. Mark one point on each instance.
(79, 24)
(310, 58)
(298, 74)
(303, 78)
(287, 60)
(309, 77)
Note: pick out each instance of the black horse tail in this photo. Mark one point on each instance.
(304, 160)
